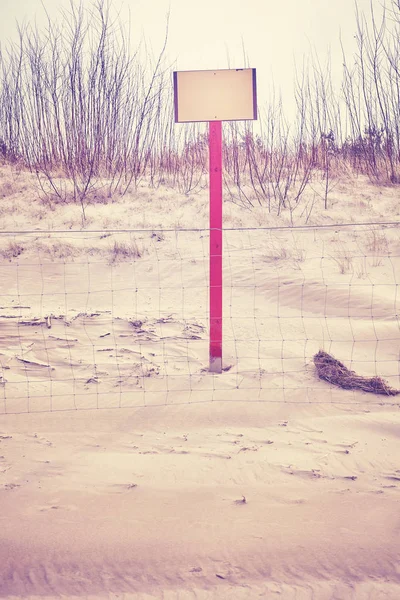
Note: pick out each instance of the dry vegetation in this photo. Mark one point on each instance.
(332, 370)
(125, 250)
(12, 250)
(66, 113)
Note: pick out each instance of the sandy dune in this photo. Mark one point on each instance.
(128, 471)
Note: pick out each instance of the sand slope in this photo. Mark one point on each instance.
(128, 471)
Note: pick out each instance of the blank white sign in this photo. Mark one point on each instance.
(221, 95)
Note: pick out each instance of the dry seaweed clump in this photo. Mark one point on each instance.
(332, 370)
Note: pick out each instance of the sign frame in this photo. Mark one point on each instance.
(215, 95)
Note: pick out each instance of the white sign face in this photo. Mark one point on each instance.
(222, 95)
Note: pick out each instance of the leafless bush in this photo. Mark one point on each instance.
(344, 260)
(73, 98)
(91, 118)
(371, 92)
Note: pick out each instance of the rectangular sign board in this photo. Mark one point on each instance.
(220, 95)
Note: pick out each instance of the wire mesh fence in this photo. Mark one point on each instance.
(120, 318)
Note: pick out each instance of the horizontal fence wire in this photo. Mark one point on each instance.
(200, 230)
(120, 318)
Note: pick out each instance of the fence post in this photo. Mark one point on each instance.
(215, 156)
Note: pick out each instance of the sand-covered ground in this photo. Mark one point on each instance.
(127, 470)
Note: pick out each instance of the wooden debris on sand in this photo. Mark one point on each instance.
(332, 370)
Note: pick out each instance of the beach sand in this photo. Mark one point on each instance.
(128, 471)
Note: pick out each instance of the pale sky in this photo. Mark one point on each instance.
(204, 32)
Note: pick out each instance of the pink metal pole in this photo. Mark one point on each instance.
(215, 142)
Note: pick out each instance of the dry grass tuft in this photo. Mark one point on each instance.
(121, 251)
(377, 242)
(13, 250)
(56, 250)
(6, 189)
(335, 372)
(276, 253)
(344, 260)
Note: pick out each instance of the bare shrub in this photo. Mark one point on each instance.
(377, 242)
(91, 105)
(361, 269)
(344, 260)
(378, 245)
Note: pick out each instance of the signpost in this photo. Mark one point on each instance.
(215, 96)
(215, 156)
